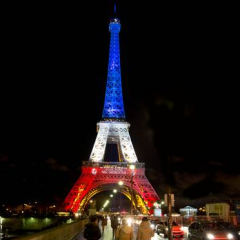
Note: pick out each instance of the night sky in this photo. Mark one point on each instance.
(179, 77)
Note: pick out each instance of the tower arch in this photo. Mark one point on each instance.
(98, 177)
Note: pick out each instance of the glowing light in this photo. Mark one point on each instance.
(106, 203)
(210, 236)
(230, 236)
(132, 167)
(120, 183)
(129, 221)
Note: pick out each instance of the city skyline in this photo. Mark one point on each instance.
(179, 97)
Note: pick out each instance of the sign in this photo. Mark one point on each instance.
(157, 212)
(171, 199)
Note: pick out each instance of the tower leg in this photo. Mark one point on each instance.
(128, 152)
(99, 145)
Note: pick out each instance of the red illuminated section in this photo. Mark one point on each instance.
(96, 179)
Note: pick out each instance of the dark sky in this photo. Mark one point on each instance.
(179, 77)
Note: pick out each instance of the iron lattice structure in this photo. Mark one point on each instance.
(98, 175)
(113, 132)
(113, 105)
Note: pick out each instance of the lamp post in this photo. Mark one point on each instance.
(132, 167)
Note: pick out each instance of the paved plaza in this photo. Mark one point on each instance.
(108, 235)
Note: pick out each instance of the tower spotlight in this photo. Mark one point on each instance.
(120, 183)
(132, 167)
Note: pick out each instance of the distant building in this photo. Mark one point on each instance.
(218, 210)
(237, 210)
(188, 211)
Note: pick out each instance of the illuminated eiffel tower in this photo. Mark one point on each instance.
(99, 175)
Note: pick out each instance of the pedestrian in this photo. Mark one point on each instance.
(114, 225)
(145, 232)
(104, 222)
(124, 231)
(92, 230)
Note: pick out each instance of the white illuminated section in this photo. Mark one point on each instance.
(99, 145)
(115, 132)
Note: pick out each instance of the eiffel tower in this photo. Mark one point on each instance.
(99, 175)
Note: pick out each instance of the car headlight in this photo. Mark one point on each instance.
(230, 236)
(210, 236)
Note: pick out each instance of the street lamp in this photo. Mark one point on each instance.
(132, 167)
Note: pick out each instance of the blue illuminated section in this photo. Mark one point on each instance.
(113, 105)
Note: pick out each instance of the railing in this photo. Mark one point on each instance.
(63, 232)
(112, 164)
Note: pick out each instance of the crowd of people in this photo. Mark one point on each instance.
(123, 231)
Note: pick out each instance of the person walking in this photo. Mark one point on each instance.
(145, 232)
(92, 230)
(104, 222)
(114, 225)
(124, 231)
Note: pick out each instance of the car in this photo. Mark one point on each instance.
(209, 230)
(233, 229)
(162, 229)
